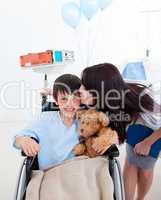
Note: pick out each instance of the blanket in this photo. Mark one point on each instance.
(75, 179)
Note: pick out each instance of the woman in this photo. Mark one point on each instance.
(104, 88)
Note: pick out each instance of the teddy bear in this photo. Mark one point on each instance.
(94, 126)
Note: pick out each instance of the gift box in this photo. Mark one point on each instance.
(33, 59)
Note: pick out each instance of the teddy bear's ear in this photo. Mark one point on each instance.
(103, 119)
(80, 113)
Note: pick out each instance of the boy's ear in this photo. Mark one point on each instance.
(103, 119)
(80, 113)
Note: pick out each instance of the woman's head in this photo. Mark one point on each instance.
(114, 96)
(93, 76)
(106, 84)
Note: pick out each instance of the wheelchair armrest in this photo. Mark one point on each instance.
(112, 152)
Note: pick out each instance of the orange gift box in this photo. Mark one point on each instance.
(36, 59)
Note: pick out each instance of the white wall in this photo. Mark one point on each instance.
(116, 35)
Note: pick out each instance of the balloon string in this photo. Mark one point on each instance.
(88, 45)
(95, 38)
(79, 49)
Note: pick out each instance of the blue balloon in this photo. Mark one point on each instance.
(89, 8)
(104, 3)
(71, 14)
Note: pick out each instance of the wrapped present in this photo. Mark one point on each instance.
(33, 59)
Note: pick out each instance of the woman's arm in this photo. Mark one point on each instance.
(144, 147)
(154, 137)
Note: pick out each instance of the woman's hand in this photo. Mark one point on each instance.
(100, 145)
(143, 148)
(103, 142)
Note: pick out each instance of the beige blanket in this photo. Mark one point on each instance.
(76, 179)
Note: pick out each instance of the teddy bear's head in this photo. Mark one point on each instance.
(91, 121)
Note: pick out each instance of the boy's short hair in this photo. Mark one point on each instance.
(67, 83)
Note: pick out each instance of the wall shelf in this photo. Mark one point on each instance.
(47, 68)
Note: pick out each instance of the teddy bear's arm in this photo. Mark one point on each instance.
(79, 149)
(90, 151)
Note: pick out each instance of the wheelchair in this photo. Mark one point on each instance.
(31, 163)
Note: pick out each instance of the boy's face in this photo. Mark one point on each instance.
(68, 103)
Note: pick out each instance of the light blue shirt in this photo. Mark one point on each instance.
(56, 140)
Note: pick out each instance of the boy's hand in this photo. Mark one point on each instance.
(28, 145)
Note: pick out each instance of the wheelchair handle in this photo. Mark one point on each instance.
(112, 152)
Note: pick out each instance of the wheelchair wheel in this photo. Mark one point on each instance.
(115, 171)
(21, 184)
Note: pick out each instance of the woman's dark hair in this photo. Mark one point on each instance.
(67, 83)
(115, 96)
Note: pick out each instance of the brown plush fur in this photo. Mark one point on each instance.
(93, 125)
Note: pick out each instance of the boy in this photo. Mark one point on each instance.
(56, 131)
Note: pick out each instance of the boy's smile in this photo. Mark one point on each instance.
(68, 103)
